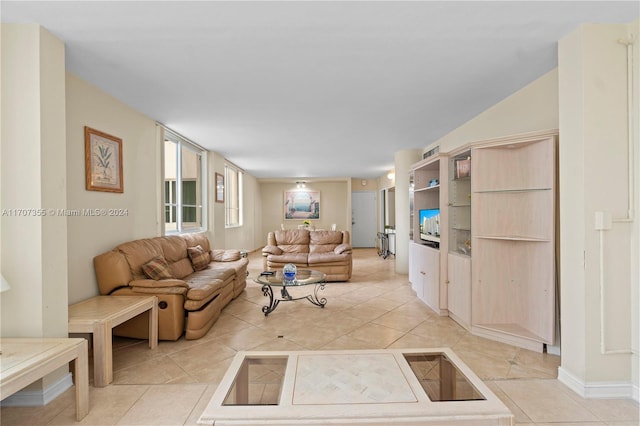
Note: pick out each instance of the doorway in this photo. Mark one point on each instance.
(363, 219)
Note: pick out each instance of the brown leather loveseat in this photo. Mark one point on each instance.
(192, 282)
(324, 251)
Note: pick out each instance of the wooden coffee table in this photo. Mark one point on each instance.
(99, 315)
(384, 386)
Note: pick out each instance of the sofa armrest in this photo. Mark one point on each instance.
(342, 248)
(158, 283)
(228, 255)
(271, 250)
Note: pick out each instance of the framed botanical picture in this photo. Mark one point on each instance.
(103, 161)
(302, 204)
(219, 188)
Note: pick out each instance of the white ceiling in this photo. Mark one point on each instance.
(312, 89)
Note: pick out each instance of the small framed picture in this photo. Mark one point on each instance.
(103, 161)
(219, 188)
(463, 168)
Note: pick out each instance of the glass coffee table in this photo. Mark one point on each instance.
(304, 277)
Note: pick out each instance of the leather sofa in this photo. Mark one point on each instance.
(324, 251)
(192, 282)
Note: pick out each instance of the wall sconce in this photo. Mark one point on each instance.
(391, 175)
(301, 184)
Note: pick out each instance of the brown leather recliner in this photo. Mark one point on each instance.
(190, 299)
(324, 251)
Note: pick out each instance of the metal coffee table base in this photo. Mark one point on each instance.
(286, 297)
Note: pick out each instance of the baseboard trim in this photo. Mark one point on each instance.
(37, 398)
(597, 390)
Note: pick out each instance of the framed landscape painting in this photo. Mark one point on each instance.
(103, 161)
(302, 205)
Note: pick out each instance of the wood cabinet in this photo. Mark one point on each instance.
(459, 288)
(459, 235)
(459, 203)
(513, 240)
(497, 243)
(425, 274)
(427, 268)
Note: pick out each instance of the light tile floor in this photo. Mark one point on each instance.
(172, 384)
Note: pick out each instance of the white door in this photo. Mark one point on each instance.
(363, 219)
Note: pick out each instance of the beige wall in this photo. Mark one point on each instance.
(249, 236)
(530, 109)
(335, 205)
(89, 236)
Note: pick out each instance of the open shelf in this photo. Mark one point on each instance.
(513, 238)
(513, 287)
(428, 188)
(488, 191)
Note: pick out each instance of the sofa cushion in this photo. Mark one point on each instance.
(170, 282)
(292, 237)
(203, 286)
(237, 267)
(225, 255)
(328, 258)
(324, 241)
(157, 269)
(174, 248)
(271, 250)
(182, 268)
(326, 237)
(139, 252)
(296, 258)
(292, 240)
(200, 258)
(197, 239)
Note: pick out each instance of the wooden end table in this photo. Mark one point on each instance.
(99, 315)
(25, 360)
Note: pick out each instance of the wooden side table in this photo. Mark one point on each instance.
(25, 360)
(99, 315)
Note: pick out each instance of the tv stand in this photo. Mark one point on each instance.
(425, 266)
(431, 244)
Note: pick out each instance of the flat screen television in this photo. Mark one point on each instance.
(430, 225)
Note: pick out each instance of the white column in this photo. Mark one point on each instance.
(597, 264)
(33, 179)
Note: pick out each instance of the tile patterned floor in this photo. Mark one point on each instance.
(172, 384)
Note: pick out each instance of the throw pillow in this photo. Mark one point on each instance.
(200, 258)
(157, 269)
